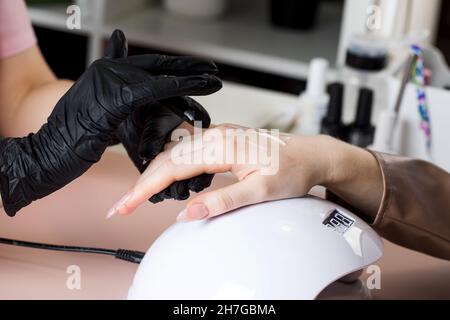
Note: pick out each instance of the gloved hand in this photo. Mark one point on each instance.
(147, 130)
(85, 120)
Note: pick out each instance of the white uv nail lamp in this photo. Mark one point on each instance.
(288, 249)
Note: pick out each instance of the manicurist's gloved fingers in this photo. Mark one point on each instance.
(117, 46)
(200, 183)
(180, 190)
(189, 110)
(172, 65)
(157, 128)
(139, 94)
(162, 120)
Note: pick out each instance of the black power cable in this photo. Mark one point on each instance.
(121, 254)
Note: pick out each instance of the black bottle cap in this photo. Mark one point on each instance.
(365, 62)
(336, 93)
(364, 112)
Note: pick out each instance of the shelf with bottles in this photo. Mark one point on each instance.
(243, 37)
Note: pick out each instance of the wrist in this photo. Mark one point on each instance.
(33, 167)
(332, 156)
(10, 175)
(346, 163)
(355, 177)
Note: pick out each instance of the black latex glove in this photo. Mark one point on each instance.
(84, 122)
(145, 133)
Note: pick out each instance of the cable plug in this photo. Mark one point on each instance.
(130, 255)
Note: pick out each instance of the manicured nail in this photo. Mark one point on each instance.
(197, 211)
(113, 211)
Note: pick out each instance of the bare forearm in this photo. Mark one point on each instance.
(28, 92)
(32, 112)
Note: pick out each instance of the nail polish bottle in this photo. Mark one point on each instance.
(361, 131)
(332, 124)
(314, 100)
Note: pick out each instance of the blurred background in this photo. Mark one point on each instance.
(264, 43)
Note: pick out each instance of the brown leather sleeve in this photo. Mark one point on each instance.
(415, 208)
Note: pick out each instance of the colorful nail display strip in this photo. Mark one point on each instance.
(418, 78)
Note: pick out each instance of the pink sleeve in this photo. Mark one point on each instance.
(16, 32)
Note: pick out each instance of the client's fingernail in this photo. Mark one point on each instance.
(113, 211)
(197, 211)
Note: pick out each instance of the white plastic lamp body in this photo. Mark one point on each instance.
(289, 249)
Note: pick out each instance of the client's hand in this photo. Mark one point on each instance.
(147, 130)
(267, 167)
(84, 122)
